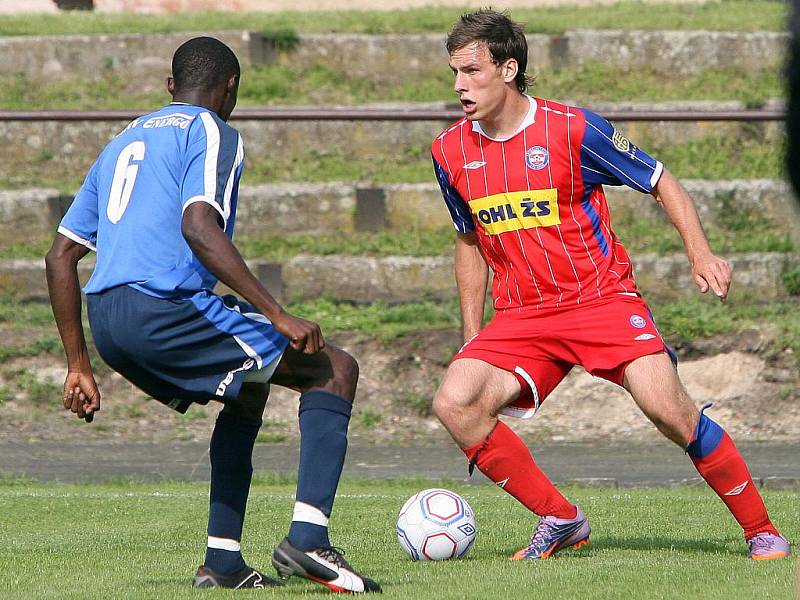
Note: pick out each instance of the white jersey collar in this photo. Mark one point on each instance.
(529, 119)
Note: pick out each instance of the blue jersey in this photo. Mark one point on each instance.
(130, 207)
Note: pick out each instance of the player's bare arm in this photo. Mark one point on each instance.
(708, 270)
(472, 276)
(81, 395)
(208, 241)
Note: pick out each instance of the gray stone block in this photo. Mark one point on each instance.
(278, 209)
(364, 279)
(755, 275)
(675, 52)
(416, 206)
(370, 209)
(143, 60)
(27, 215)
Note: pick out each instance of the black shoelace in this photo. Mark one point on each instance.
(334, 555)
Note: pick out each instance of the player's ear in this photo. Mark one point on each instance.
(233, 83)
(171, 86)
(509, 70)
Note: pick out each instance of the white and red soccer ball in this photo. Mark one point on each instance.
(436, 524)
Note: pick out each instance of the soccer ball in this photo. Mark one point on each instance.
(436, 524)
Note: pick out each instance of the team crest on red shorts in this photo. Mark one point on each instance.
(537, 158)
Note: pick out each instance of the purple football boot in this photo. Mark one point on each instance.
(552, 535)
(766, 546)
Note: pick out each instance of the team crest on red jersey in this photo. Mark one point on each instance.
(537, 158)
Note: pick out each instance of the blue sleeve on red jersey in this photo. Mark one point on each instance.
(459, 211)
(608, 158)
(81, 220)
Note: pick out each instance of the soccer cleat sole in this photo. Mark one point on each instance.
(519, 554)
(205, 578)
(773, 556)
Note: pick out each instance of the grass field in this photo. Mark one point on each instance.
(723, 15)
(332, 84)
(710, 158)
(145, 540)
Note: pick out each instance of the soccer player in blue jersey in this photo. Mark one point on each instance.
(158, 208)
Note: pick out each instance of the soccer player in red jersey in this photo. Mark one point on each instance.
(523, 180)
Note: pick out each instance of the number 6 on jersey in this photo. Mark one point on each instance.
(124, 178)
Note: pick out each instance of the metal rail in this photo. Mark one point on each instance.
(375, 114)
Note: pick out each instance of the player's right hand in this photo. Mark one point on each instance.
(81, 395)
(304, 336)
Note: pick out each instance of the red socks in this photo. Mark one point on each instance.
(725, 471)
(504, 459)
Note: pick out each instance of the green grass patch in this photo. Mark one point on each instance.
(723, 15)
(324, 84)
(38, 393)
(379, 320)
(740, 231)
(709, 158)
(721, 158)
(386, 243)
(24, 313)
(147, 540)
(597, 82)
(791, 279)
(33, 249)
(73, 93)
(727, 237)
(270, 437)
(700, 317)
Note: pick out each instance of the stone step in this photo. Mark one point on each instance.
(304, 208)
(143, 60)
(363, 279)
(50, 150)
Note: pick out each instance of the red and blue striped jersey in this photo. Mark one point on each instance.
(537, 204)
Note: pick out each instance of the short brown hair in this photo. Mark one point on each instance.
(504, 37)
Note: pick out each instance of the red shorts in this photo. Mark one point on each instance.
(540, 347)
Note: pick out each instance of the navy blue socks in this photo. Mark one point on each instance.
(324, 418)
(231, 453)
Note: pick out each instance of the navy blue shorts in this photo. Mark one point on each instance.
(181, 351)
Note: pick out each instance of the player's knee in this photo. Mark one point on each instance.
(345, 367)
(448, 405)
(344, 374)
(678, 425)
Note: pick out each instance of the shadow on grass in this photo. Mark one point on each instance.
(645, 544)
(663, 543)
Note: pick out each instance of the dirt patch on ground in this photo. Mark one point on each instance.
(755, 391)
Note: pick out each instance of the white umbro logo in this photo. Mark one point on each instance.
(475, 164)
(503, 483)
(644, 336)
(737, 490)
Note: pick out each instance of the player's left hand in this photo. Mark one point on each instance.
(712, 272)
(81, 395)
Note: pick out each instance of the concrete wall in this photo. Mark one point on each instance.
(142, 59)
(280, 209)
(363, 279)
